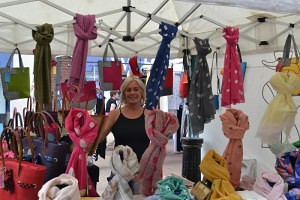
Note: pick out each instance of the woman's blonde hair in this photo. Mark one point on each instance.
(124, 86)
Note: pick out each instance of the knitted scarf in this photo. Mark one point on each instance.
(232, 85)
(234, 125)
(270, 186)
(85, 30)
(160, 126)
(82, 130)
(42, 63)
(51, 191)
(124, 165)
(280, 113)
(214, 169)
(200, 99)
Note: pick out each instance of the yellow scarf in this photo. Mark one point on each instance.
(214, 169)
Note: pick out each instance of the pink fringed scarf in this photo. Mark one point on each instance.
(262, 186)
(85, 30)
(82, 130)
(235, 123)
(160, 126)
(232, 85)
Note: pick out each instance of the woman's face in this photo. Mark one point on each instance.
(133, 93)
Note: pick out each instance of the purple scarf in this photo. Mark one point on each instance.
(85, 30)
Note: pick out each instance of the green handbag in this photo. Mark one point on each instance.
(15, 81)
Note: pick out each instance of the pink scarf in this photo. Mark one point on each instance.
(262, 187)
(232, 85)
(85, 30)
(234, 123)
(160, 126)
(82, 130)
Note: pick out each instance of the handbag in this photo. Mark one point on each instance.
(20, 179)
(217, 95)
(110, 72)
(184, 84)
(101, 121)
(291, 64)
(201, 191)
(53, 153)
(168, 85)
(79, 99)
(15, 81)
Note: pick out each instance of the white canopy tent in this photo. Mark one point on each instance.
(132, 26)
(264, 25)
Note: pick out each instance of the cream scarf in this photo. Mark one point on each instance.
(280, 113)
(124, 164)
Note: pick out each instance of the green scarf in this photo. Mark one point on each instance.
(42, 63)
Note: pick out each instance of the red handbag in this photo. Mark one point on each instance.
(110, 72)
(184, 85)
(168, 85)
(81, 97)
(21, 179)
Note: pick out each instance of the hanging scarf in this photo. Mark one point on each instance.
(232, 85)
(159, 69)
(214, 169)
(280, 113)
(234, 125)
(200, 99)
(50, 189)
(124, 168)
(172, 188)
(160, 126)
(42, 63)
(85, 30)
(270, 186)
(82, 130)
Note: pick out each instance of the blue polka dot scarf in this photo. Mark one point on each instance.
(159, 69)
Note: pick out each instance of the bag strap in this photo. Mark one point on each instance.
(239, 52)
(287, 48)
(53, 124)
(215, 58)
(8, 64)
(20, 147)
(106, 50)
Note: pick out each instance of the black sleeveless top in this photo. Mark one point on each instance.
(131, 132)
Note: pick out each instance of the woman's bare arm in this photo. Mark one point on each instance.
(112, 118)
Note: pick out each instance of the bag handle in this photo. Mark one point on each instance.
(215, 57)
(106, 50)
(8, 64)
(19, 143)
(287, 48)
(44, 127)
(29, 139)
(53, 124)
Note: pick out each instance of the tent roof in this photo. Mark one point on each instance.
(193, 18)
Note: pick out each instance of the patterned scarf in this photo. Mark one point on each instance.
(200, 99)
(51, 191)
(42, 63)
(159, 69)
(280, 113)
(160, 126)
(270, 185)
(214, 169)
(124, 165)
(232, 85)
(85, 30)
(235, 123)
(82, 130)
